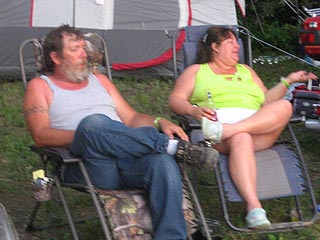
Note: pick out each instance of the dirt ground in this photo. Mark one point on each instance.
(19, 204)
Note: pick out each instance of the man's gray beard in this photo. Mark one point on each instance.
(77, 76)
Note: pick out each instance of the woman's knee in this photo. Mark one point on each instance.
(286, 105)
(241, 139)
(284, 108)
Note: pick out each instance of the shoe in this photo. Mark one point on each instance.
(212, 130)
(195, 155)
(257, 219)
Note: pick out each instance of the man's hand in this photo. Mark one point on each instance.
(171, 129)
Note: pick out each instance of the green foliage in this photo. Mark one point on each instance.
(284, 37)
(275, 23)
(149, 96)
(14, 139)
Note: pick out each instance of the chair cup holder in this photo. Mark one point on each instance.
(42, 189)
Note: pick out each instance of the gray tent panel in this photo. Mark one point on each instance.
(139, 15)
(14, 13)
(131, 42)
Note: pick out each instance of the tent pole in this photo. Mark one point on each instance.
(74, 14)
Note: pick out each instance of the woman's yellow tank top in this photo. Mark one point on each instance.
(237, 90)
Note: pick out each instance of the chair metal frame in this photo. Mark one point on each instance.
(188, 124)
(57, 157)
(301, 222)
(7, 228)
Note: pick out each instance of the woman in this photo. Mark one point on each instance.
(252, 116)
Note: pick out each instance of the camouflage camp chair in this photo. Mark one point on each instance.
(124, 213)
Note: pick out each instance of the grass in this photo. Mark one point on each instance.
(150, 96)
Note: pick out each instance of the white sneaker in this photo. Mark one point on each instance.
(257, 219)
(212, 130)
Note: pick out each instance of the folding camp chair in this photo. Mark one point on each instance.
(7, 229)
(107, 202)
(281, 170)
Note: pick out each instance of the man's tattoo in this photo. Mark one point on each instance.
(34, 109)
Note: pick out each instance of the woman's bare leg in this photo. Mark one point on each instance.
(242, 139)
(269, 120)
(242, 167)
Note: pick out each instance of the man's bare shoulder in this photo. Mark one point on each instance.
(37, 91)
(36, 97)
(38, 87)
(101, 76)
(36, 83)
(104, 80)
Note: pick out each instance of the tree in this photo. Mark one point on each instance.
(276, 22)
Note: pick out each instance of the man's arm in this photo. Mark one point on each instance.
(132, 118)
(127, 114)
(35, 109)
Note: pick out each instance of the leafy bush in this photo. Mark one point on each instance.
(284, 37)
(275, 23)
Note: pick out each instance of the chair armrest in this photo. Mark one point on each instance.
(187, 122)
(56, 154)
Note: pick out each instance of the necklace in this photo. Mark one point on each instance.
(228, 74)
(233, 77)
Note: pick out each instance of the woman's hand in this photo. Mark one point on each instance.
(199, 112)
(300, 76)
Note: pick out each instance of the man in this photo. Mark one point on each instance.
(120, 147)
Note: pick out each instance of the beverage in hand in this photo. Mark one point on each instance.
(211, 128)
(210, 104)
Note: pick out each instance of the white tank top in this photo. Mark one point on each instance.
(69, 107)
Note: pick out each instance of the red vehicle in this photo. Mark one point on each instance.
(310, 34)
(306, 104)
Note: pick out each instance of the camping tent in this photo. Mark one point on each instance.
(138, 32)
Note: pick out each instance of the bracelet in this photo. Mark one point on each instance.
(284, 81)
(156, 122)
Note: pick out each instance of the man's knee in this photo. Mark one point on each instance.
(93, 121)
(166, 167)
(83, 138)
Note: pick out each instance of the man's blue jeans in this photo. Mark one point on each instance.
(120, 157)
